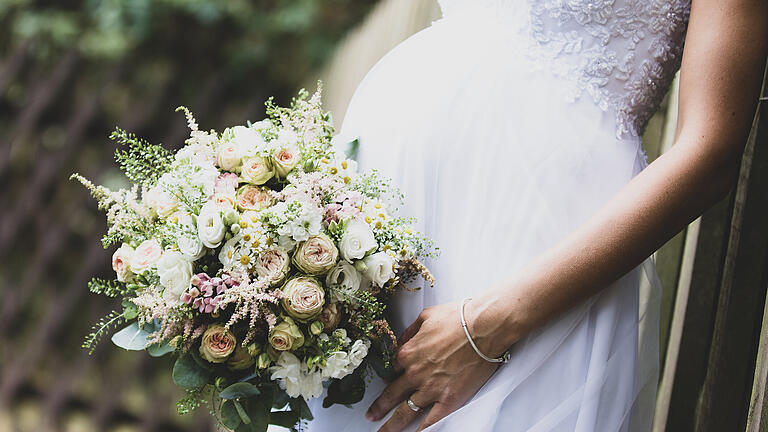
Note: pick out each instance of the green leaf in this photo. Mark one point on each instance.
(346, 391)
(281, 399)
(287, 419)
(241, 413)
(188, 374)
(159, 350)
(258, 409)
(132, 337)
(130, 310)
(352, 147)
(240, 390)
(229, 416)
(299, 405)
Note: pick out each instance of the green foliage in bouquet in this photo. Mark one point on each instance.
(262, 260)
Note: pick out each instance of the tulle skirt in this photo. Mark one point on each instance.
(498, 166)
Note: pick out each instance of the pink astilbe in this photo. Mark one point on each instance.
(225, 184)
(251, 302)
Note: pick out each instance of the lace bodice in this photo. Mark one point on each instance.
(622, 53)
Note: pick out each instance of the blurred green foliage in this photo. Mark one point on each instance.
(70, 72)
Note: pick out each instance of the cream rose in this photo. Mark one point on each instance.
(161, 202)
(121, 262)
(217, 344)
(228, 157)
(145, 256)
(356, 241)
(316, 255)
(379, 268)
(342, 280)
(256, 170)
(273, 265)
(330, 317)
(240, 359)
(286, 336)
(253, 198)
(175, 273)
(303, 298)
(210, 226)
(285, 160)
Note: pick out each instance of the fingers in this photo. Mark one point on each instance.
(396, 392)
(411, 330)
(438, 411)
(404, 414)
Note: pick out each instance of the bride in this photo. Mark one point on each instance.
(513, 127)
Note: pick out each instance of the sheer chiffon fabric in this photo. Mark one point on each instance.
(497, 166)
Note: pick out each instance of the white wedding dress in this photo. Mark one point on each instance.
(506, 124)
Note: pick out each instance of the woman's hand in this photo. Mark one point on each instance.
(441, 371)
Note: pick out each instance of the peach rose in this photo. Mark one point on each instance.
(217, 344)
(316, 255)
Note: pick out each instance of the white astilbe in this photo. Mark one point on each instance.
(250, 302)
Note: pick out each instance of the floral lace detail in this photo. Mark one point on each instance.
(622, 53)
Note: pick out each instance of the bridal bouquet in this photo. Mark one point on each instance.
(262, 259)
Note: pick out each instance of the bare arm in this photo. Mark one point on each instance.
(720, 80)
(722, 67)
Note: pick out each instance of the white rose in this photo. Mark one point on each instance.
(357, 240)
(342, 279)
(191, 246)
(121, 262)
(228, 157)
(248, 140)
(210, 226)
(379, 268)
(145, 256)
(175, 273)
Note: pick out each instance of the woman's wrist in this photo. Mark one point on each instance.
(494, 327)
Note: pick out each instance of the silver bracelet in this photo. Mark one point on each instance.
(504, 357)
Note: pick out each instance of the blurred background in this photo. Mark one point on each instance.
(72, 70)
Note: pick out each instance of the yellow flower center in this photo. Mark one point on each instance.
(175, 219)
(378, 225)
(247, 237)
(269, 241)
(245, 259)
(368, 219)
(344, 164)
(377, 205)
(334, 170)
(347, 179)
(229, 254)
(324, 160)
(256, 242)
(381, 215)
(243, 224)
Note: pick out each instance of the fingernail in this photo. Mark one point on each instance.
(369, 416)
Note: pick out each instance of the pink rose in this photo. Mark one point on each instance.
(316, 255)
(285, 160)
(145, 256)
(273, 265)
(121, 262)
(225, 184)
(253, 198)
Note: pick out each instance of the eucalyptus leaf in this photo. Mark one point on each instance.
(258, 409)
(281, 399)
(244, 417)
(159, 350)
(188, 374)
(229, 416)
(240, 390)
(132, 337)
